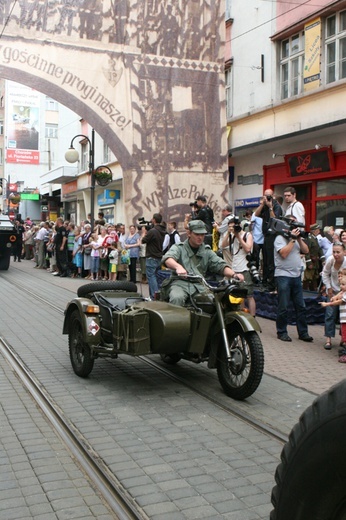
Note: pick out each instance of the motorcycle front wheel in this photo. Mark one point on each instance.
(241, 375)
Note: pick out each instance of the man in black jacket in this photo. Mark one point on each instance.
(269, 208)
(154, 251)
(206, 215)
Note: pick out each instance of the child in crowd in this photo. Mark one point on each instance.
(340, 299)
(113, 256)
(77, 253)
(94, 256)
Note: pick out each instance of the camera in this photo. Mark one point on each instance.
(237, 226)
(269, 198)
(285, 226)
(251, 264)
(142, 222)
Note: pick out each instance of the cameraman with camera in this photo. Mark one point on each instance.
(269, 208)
(153, 238)
(240, 245)
(288, 247)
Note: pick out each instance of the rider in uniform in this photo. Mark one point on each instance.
(194, 257)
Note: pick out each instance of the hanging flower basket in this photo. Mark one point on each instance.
(103, 176)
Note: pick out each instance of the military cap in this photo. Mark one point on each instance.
(315, 226)
(197, 226)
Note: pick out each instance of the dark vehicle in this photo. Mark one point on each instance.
(7, 239)
(111, 318)
(311, 479)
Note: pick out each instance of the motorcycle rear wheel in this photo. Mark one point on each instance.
(80, 352)
(171, 359)
(241, 376)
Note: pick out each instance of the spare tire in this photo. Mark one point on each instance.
(89, 288)
(311, 479)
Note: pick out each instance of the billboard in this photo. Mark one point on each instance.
(22, 124)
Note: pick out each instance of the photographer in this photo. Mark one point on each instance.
(154, 240)
(240, 245)
(206, 215)
(287, 250)
(268, 208)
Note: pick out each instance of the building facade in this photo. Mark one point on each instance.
(286, 86)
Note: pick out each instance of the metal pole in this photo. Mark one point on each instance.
(91, 171)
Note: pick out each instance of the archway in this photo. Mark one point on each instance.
(147, 76)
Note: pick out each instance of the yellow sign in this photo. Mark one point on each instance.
(312, 67)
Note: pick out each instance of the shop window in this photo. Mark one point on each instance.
(331, 188)
(335, 45)
(292, 65)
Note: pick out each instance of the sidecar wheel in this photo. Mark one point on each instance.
(170, 359)
(311, 479)
(88, 288)
(241, 376)
(80, 353)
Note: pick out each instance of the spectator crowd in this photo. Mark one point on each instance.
(282, 263)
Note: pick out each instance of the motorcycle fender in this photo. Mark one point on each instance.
(247, 323)
(90, 322)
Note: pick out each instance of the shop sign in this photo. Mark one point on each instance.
(312, 72)
(248, 203)
(310, 162)
(108, 197)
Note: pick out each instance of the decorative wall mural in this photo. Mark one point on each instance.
(147, 75)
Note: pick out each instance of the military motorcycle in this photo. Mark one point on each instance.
(112, 318)
(8, 237)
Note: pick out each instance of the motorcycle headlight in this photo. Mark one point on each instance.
(234, 300)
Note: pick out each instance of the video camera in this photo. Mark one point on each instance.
(142, 222)
(285, 226)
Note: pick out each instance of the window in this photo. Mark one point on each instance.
(1, 127)
(51, 131)
(85, 157)
(335, 40)
(228, 86)
(1, 156)
(51, 104)
(292, 66)
(106, 153)
(228, 9)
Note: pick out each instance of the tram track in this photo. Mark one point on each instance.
(119, 500)
(231, 409)
(112, 491)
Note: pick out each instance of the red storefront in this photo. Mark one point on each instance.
(319, 177)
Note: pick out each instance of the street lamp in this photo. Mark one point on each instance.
(72, 156)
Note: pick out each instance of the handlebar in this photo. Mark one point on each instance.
(191, 277)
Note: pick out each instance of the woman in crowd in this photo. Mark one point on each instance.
(77, 253)
(86, 250)
(330, 279)
(104, 239)
(132, 243)
(29, 242)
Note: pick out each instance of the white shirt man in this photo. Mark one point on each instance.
(294, 207)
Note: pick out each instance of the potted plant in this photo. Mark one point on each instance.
(103, 175)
